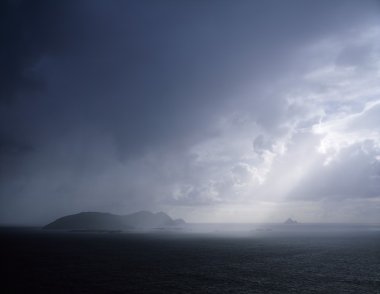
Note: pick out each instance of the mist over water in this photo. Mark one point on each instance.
(161, 145)
(203, 258)
(276, 229)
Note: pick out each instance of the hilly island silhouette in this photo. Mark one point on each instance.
(91, 221)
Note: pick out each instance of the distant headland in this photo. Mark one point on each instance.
(100, 221)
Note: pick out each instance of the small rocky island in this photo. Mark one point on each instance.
(107, 222)
(290, 221)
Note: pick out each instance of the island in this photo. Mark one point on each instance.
(290, 221)
(107, 222)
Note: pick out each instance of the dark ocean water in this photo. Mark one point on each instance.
(274, 260)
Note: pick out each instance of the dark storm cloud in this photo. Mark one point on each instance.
(29, 30)
(142, 71)
(89, 84)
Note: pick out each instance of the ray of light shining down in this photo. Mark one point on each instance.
(319, 134)
(219, 146)
(216, 111)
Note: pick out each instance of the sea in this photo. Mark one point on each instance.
(198, 258)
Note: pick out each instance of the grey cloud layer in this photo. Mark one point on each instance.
(128, 105)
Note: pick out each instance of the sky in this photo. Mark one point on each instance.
(212, 111)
